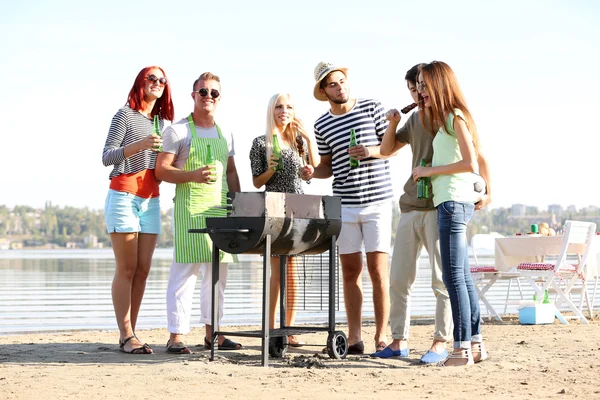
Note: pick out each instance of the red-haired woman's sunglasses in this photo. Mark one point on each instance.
(214, 93)
(153, 78)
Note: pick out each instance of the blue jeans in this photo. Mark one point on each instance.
(452, 221)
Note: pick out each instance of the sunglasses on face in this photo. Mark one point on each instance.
(214, 93)
(153, 78)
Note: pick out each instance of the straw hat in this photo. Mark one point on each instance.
(321, 71)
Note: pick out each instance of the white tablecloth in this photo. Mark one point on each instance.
(511, 251)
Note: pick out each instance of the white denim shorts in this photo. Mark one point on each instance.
(371, 226)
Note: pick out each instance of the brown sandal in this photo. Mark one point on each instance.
(177, 348)
(144, 349)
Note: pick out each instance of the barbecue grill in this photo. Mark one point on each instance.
(283, 224)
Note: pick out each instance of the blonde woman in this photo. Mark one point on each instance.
(282, 122)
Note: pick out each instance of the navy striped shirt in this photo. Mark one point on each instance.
(370, 182)
(128, 126)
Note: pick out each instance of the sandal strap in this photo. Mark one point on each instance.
(460, 354)
(122, 343)
(477, 347)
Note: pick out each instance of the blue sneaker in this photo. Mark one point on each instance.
(431, 357)
(388, 353)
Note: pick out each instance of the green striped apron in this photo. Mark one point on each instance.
(196, 201)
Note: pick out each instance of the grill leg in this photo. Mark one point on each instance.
(215, 300)
(332, 272)
(266, 299)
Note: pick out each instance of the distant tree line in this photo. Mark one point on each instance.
(61, 225)
(58, 226)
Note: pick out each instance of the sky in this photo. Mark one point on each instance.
(530, 71)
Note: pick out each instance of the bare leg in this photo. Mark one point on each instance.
(274, 283)
(398, 344)
(377, 263)
(353, 294)
(290, 312)
(291, 284)
(146, 246)
(438, 346)
(125, 247)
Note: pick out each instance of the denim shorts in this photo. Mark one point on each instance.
(125, 212)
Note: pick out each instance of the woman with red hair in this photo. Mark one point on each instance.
(132, 208)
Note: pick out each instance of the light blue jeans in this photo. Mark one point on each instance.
(453, 218)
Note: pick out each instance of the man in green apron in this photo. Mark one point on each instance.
(200, 190)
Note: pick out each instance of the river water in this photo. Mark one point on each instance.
(66, 290)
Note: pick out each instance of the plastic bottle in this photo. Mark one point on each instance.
(423, 185)
(354, 162)
(277, 154)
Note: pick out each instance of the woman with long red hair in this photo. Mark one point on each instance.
(456, 157)
(132, 207)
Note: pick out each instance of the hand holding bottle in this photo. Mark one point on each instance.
(277, 154)
(151, 142)
(423, 184)
(273, 162)
(210, 162)
(421, 172)
(204, 174)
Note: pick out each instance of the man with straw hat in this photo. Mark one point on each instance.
(365, 190)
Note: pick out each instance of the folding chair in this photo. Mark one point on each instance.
(561, 276)
(485, 276)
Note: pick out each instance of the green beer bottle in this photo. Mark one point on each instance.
(277, 154)
(546, 299)
(156, 131)
(353, 160)
(210, 161)
(423, 185)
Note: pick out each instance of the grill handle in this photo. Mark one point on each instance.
(219, 230)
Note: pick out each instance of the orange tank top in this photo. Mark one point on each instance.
(142, 184)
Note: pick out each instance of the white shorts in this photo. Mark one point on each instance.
(371, 225)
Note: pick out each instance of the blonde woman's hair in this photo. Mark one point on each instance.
(288, 135)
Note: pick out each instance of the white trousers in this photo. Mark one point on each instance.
(180, 294)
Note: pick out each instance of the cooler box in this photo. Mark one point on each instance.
(535, 314)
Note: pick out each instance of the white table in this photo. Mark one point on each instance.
(511, 251)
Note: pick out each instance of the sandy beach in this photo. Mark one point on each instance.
(541, 361)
